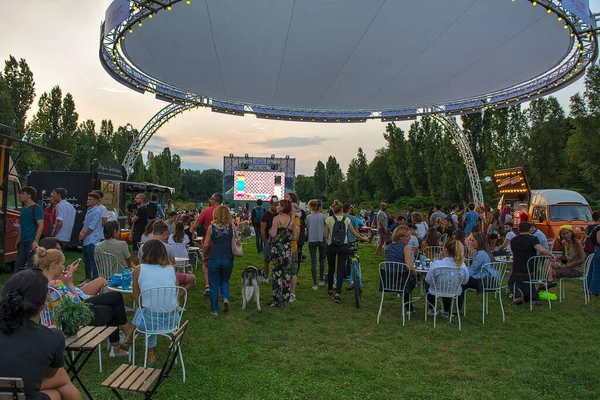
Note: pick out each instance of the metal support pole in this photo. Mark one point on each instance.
(454, 130)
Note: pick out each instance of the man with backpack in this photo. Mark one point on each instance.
(31, 224)
(336, 228)
(255, 216)
(155, 210)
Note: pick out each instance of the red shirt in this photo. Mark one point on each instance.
(205, 218)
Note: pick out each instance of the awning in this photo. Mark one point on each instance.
(142, 186)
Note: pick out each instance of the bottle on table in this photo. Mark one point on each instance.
(126, 279)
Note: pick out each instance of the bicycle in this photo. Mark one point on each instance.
(355, 279)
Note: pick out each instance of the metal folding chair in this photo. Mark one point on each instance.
(161, 314)
(107, 264)
(586, 292)
(393, 277)
(491, 282)
(434, 252)
(538, 268)
(446, 283)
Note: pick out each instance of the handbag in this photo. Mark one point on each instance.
(236, 242)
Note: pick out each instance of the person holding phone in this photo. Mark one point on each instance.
(108, 307)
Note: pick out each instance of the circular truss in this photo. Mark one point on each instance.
(123, 63)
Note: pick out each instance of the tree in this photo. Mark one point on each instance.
(397, 153)
(7, 112)
(20, 87)
(320, 180)
(357, 181)
(334, 177)
(305, 187)
(379, 175)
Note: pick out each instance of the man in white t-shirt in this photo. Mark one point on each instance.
(505, 246)
(101, 206)
(65, 216)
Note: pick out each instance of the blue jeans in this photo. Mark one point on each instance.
(24, 256)
(219, 272)
(593, 278)
(91, 272)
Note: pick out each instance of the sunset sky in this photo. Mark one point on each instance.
(60, 41)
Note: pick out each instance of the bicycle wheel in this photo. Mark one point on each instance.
(356, 284)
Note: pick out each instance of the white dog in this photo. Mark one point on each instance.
(250, 286)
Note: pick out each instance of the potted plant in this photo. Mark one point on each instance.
(70, 316)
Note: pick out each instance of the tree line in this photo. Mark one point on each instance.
(423, 166)
(57, 125)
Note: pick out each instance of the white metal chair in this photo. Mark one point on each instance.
(394, 277)
(446, 283)
(161, 314)
(443, 238)
(586, 292)
(181, 264)
(107, 264)
(434, 252)
(538, 268)
(551, 243)
(491, 282)
(468, 261)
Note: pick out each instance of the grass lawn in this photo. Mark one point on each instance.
(318, 349)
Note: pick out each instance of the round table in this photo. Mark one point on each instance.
(119, 289)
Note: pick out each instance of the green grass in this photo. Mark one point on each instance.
(318, 349)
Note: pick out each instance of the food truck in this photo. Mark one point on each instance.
(548, 209)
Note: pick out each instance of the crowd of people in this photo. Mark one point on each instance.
(469, 242)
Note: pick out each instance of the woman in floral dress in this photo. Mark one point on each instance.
(283, 231)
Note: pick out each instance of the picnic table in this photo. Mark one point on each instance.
(81, 347)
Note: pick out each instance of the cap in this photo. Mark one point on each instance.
(274, 200)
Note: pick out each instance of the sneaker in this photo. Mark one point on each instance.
(214, 314)
(337, 299)
(207, 291)
(225, 306)
(551, 284)
(330, 293)
(315, 287)
(292, 298)
(321, 283)
(446, 314)
(430, 312)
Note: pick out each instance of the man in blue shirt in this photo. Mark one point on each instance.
(91, 234)
(540, 235)
(470, 219)
(31, 223)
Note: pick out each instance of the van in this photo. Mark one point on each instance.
(551, 208)
(548, 209)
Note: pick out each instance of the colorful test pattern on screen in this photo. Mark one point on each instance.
(254, 185)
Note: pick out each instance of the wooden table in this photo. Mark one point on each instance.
(80, 347)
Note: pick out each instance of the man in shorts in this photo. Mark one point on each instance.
(266, 222)
(382, 228)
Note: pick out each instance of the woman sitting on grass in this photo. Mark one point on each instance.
(179, 240)
(399, 251)
(31, 351)
(454, 255)
(108, 307)
(155, 271)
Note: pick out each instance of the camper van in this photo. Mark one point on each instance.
(548, 209)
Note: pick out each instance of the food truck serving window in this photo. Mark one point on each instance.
(570, 212)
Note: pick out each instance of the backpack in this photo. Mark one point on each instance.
(338, 233)
(48, 223)
(257, 214)
(152, 208)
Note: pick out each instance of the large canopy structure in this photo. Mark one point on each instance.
(346, 61)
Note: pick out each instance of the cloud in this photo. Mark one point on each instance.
(292, 142)
(115, 90)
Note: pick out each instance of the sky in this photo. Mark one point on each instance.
(59, 39)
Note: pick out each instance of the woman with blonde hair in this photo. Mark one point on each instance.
(454, 256)
(283, 231)
(217, 247)
(315, 223)
(108, 307)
